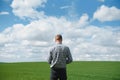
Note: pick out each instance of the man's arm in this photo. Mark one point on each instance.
(69, 56)
(50, 58)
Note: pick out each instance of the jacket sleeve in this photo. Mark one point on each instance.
(50, 57)
(69, 56)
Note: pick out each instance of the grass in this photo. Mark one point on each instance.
(84, 70)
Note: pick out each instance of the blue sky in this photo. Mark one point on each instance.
(53, 8)
(24, 25)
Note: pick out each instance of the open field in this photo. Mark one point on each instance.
(84, 70)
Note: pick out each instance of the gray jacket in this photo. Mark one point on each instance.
(59, 56)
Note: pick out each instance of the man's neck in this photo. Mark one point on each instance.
(58, 42)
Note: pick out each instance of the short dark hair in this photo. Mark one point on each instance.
(58, 37)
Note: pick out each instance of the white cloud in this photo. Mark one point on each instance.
(72, 14)
(9, 56)
(32, 41)
(65, 7)
(4, 13)
(83, 21)
(105, 13)
(27, 9)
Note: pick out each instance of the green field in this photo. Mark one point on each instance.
(84, 70)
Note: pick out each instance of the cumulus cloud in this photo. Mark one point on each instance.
(4, 13)
(32, 41)
(27, 9)
(105, 13)
(83, 21)
(29, 40)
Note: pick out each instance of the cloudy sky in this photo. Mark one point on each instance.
(91, 28)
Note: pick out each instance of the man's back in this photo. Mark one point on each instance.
(60, 56)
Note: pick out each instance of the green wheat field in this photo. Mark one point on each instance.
(83, 70)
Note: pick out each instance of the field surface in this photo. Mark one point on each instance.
(84, 70)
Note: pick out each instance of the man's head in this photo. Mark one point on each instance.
(58, 38)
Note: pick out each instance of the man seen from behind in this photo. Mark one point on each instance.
(59, 56)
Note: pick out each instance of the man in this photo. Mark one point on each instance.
(59, 56)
